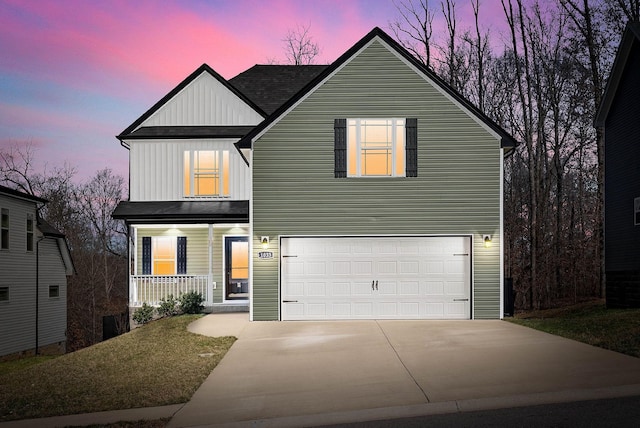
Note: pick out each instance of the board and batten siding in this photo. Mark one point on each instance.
(457, 190)
(156, 168)
(204, 102)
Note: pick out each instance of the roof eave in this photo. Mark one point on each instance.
(506, 139)
(203, 68)
(630, 36)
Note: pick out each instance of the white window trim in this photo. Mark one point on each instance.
(394, 134)
(220, 153)
(7, 228)
(175, 254)
(58, 292)
(32, 233)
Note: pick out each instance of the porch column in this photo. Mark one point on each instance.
(210, 275)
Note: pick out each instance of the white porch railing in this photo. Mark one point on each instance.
(151, 289)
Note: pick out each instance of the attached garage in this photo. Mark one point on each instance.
(376, 277)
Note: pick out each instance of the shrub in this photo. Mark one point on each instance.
(191, 302)
(168, 307)
(143, 314)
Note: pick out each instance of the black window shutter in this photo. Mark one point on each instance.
(146, 255)
(411, 146)
(182, 255)
(340, 147)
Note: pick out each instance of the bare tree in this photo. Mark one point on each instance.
(300, 49)
(98, 243)
(414, 29)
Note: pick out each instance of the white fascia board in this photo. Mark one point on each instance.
(311, 91)
(442, 91)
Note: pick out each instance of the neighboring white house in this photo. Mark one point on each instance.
(34, 265)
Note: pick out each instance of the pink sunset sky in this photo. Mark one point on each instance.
(73, 74)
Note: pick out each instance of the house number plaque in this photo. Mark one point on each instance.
(265, 255)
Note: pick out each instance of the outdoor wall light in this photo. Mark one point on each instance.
(487, 241)
(264, 240)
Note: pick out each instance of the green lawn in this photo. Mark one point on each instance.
(592, 323)
(157, 364)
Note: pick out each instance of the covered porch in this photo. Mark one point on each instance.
(178, 252)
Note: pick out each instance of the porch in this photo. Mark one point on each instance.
(152, 289)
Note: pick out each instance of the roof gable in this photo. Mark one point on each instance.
(630, 40)
(507, 141)
(218, 103)
(270, 86)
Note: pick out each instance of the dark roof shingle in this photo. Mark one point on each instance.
(270, 86)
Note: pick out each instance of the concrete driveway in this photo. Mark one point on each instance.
(315, 373)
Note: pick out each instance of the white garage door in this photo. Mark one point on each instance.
(375, 278)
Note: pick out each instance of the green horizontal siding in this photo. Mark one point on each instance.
(457, 190)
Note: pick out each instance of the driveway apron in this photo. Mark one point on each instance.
(289, 369)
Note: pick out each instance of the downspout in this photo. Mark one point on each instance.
(35, 223)
(38, 289)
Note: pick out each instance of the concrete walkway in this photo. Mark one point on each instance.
(290, 374)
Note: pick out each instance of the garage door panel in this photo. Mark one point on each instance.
(362, 289)
(409, 288)
(373, 277)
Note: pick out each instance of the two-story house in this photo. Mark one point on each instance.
(364, 189)
(619, 116)
(34, 265)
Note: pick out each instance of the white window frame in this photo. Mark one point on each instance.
(189, 157)
(55, 288)
(3, 228)
(154, 242)
(30, 233)
(358, 123)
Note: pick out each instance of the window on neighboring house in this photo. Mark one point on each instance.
(4, 294)
(206, 173)
(4, 229)
(29, 232)
(381, 147)
(54, 291)
(636, 211)
(164, 255)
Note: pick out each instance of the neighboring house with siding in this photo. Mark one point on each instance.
(34, 264)
(360, 190)
(619, 115)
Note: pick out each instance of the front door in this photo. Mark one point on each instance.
(236, 253)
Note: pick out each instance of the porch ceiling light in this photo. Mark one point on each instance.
(487, 241)
(264, 240)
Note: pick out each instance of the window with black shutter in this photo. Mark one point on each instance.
(376, 147)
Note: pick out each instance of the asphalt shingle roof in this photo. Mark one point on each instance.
(270, 86)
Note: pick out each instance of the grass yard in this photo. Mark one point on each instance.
(158, 364)
(590, 322)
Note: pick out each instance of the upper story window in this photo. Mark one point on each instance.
(206, 173)
(636, 211)
(376, 147)
(4, 229)
(29, 232)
